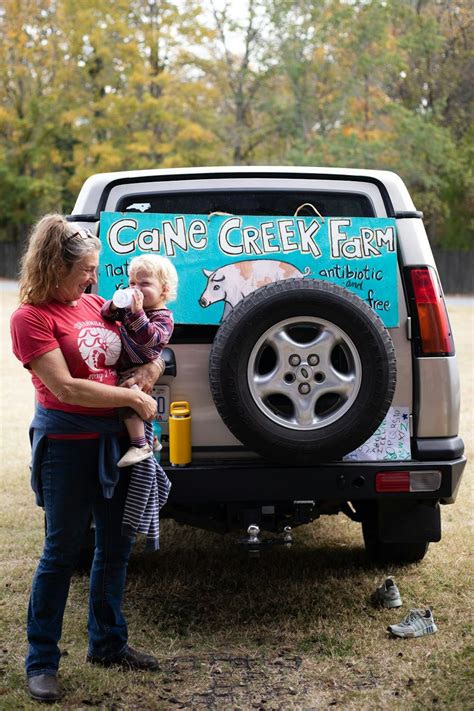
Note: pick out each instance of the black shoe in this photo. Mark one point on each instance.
(44, 687)
(129, 659)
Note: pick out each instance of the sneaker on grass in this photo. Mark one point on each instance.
(416, 624)
(388, 594)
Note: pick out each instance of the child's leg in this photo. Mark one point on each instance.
(139, 448)
(136, 430)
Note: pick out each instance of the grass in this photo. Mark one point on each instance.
(293, 629)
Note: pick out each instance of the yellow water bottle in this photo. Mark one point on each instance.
(180, 434)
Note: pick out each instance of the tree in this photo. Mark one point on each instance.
(241, 81)
(92, 87)
(33, 142)
(135, 76)
(98, 86)
(382, 84)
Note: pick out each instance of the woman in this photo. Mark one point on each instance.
(59, 335)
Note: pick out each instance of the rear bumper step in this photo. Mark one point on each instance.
(226, 481)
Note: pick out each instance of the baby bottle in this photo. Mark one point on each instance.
(122, 298)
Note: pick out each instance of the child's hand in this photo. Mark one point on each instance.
(137, 301)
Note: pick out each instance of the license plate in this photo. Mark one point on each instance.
(161, 393)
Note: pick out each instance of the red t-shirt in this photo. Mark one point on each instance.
(90, 345)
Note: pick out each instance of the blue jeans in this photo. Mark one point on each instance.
(71, 493)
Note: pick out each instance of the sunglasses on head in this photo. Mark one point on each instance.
(85, 234)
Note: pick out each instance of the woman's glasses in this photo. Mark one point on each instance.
(85, 234)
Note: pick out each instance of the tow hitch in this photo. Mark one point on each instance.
(254, 543)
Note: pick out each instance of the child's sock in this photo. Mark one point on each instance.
(138, 441)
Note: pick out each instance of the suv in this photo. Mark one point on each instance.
(319, 382)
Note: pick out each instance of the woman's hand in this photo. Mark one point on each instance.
(145, 376)
(145, 406)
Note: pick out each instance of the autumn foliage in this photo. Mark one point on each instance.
(98, 86)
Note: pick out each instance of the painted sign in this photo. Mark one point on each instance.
(222, 258)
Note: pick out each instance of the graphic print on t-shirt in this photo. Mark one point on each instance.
(98, 346)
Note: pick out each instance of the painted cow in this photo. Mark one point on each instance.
(231, 282)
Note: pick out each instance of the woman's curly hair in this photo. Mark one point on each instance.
(53, 248)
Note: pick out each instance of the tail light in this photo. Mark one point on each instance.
(403, 481)
(432, 331)
(392, 482)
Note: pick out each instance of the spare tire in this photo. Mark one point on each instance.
(302, 371)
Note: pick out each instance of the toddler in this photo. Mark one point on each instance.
(147, 326)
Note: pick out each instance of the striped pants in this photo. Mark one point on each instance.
(147, 494)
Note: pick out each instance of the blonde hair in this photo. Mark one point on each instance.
(160, 268)
(53, 248)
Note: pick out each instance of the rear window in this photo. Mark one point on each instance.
(249, 202)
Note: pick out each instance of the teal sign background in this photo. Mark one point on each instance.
(221, 258)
